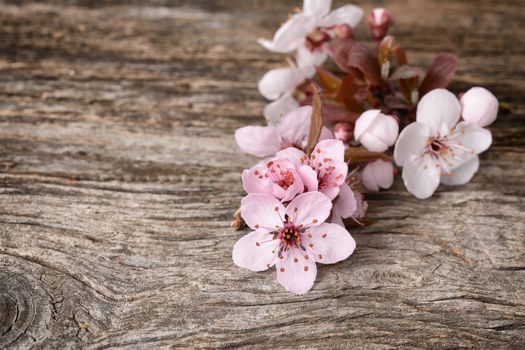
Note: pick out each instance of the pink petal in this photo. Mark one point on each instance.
(259, 212)
(473, 137)
(309, 177)
(326, 134)
(421, 176)
(260, 141)
(348, 14)
(295, 272)
(378, 174)
(295, 127)
(255, 251)
(293, 154)
(275, 111)
(480, 106)
(279, 81)
(254, 181)
(291, 35)
(333, 182)
(331, 149)
(462, 174)
(317, 8)
(439, 109)
(412, 140)
(309, 209)
(309, 60)
(329, 243)
(346, 203)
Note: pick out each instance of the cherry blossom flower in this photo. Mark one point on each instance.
(480, 106)
(325, 169)
(377, 175)
(345, 205)
(292, 238)
(376, 131)
(263, 141)
(276, 177)
(311, 28)
(436, 148)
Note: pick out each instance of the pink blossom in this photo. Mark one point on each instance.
(326, 168)
(311, 28)
(378, 175)
(376, 131)
(345, 205)
(436, 148)
(479, 106)
(277, 177)
(379, 21)
(293, 238)
(263, 141)
(343, 132)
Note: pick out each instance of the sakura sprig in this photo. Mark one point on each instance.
(331, 136)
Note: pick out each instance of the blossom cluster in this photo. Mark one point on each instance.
(331, 136)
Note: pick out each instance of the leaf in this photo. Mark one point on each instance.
(339, 49)
(316, 123)
(361, 154)
(363, 59)
(440, 73)
(329, 81)
(405, 72)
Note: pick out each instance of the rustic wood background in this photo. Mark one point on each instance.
(119, 175)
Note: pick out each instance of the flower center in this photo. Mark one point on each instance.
(315, 39)
(287, 179)
(290, 237)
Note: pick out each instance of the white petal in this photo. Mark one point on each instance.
(348, 14)
(480, 106)
(307, 59)
(462, 174)
(421, 176)
(364, 121)
(291, 35)
(275, 111)
(260, 141)
(473, 137)
(317, 8)
(412, 140)
(279, 81)
(378, 174)
(295, 127)
(439, 109)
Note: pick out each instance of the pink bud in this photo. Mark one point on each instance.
(378, 174)
(480, 106)
(343, 132)
(376, 131)
(379, 21)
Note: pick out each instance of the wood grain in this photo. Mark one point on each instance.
(119, 175)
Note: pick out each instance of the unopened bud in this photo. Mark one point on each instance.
(379, 22)
(343, 132)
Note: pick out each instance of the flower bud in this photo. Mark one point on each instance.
(480, 106)
(379, 21)
(343, 132)
(376, 131)
(378, 174)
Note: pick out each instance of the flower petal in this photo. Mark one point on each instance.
(364, 121)
(317, 8)
(329, 243)
(411, 141)
(260, 141)
(309, 177)
(348, 14)
(291, 34)
(439, 109)
(326, 134)
(259, 212)
(473, 137)
(462, 174)
(378, 174)
(255, 251)
(346, 203)
(330, 149)
(254, 181)
(480, 106)
(295, 127)
(309, 209)
(295, 272)
(329, 184)
(294, 155)
(421, 176)
(274, 112)
(308, 60)
(279, 81)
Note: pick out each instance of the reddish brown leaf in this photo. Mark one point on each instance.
(440, 73)
(362, 58)
(329, 81)
(316, 123)
(405, 72)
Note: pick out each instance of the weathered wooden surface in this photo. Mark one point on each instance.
(119, 175)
